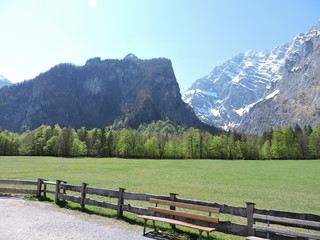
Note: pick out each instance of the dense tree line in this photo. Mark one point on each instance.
(162, 139)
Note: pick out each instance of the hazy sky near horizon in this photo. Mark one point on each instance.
(196, 35)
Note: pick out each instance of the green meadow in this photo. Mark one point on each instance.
(291, 185)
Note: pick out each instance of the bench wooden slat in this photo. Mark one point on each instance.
(176, 222)
(184, 214)
(286, 232)
(185, 205)
(287, 220)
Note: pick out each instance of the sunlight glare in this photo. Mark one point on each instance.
(92, 3)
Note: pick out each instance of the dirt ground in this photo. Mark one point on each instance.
(34, 220)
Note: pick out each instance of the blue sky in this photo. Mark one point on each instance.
(196, 35)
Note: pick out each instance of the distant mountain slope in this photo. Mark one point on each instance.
(223, 96)
(4, 82)
(233, 94)
(124, 92)
(296, 96)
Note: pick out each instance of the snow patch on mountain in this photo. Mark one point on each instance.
(292, 100)
(246, 109)
(272, 95)
(227, 94)
(230, 90)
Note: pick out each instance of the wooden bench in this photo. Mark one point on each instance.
(282, 231)
(183, 216)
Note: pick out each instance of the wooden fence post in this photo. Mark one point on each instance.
(250, 220)
(44, 189)
(120, 202)
(56, 200)
(173, 197)
(64, 191)
(83, 195)
(39, 187)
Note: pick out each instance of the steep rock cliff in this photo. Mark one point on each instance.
(124, 92)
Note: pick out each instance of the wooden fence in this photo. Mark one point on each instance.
(59, 189)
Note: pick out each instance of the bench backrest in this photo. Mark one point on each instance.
(185, 206)
(287, 222)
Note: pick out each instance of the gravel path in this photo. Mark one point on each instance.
(33, 220)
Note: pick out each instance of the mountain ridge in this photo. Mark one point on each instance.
(4, 82)
(226, 96)
(297, 94)
(125, 93)
(251, 73)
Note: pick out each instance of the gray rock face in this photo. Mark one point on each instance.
(296, 98)
(227, 93)
(256, 91)
(125, 92)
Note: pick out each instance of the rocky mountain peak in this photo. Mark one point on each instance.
(131, 57)
(96, 60)
(4, 82)
(223, 96)
(315, 27)
(232, 91)
(101, 93)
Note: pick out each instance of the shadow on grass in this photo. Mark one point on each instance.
(42, 199)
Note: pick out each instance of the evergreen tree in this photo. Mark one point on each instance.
(192, 143)
(218, 148)
(109, 150)
(152, 148)
(278, 147)
(51, 147)
(231, 146)
(7, 145)
(125, 144)
(314, 143)
(83, 134)
(78, 148)
(93, 142)
(65, 142)
(265, 152)
(174, 148)
(238, 150)
(102, 136)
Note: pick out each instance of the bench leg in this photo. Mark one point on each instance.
(200, 232)
(208, 236)
(154, 227)
(144, 227)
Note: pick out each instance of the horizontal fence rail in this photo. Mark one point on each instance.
(301, 216)
(288, 221)
(60, 188)
(10, 190)
(226, 209)
(18, 182)
(276, 223)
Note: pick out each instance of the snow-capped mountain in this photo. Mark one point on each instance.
(296, 96)
(4, 82)
(225, 96)
(222, 97)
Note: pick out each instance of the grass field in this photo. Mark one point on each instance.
(281, 185)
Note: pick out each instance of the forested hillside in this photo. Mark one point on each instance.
(125, 92)
(162, 139)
